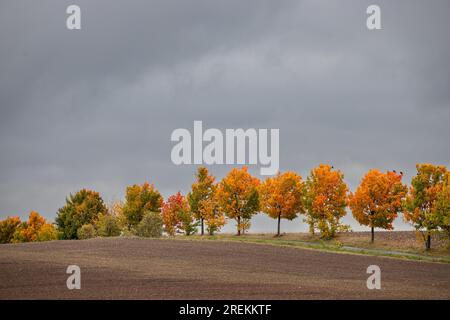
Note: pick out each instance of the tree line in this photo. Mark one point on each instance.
(322, 200)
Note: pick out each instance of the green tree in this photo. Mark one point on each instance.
(140, 199)
(202, 193)
(150, 226)
(7, 229)
(107, 226)
(84, 207)
(421, 201)
(87, 231)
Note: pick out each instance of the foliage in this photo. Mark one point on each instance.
(47, 232)
(201, 199)
(7, 229)
(138, 200)
(281, 196)
(177, 216)
(84, 207)
(107, 225)
(87, 231)
(441, 209)
(422, 199)
(34, 229)
(213, 216)
(238, 197)
(325, 200)
(378, 199)
(115, 209)
(151, 225)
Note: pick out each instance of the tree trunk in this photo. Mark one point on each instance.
(428, 242)
(278, 230)
(372, 228)
(373, 234)
(239, 225)
(203, 229)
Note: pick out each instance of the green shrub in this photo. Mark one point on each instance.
(86, 231)
(151, 225)
(108, 226)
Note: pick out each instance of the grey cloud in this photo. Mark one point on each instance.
(96, 107)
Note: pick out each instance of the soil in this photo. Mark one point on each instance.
(123, 268)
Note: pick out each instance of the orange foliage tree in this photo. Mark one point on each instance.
(378, 199)
(35, 229)
(422, 200)
(177, 216)
(282, 197)
(238, 197)
(325, 200)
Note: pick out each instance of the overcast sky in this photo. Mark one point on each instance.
(95, 107)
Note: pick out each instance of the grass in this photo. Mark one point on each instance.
(394, 244)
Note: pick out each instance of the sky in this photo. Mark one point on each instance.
(95, 108)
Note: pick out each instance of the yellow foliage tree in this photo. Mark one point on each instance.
(422, 200)
(201, 199)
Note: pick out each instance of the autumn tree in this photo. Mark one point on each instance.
(378, 199)
(238, 196)
(422, 199)
(140, 199)
(213, 216)
(281, 197)
(441, 210)
(7, 229)
(35, 228)
(177, 216)
(84, 207)
(47, 232)
(201, 197)
(325, 200)
(115, 209)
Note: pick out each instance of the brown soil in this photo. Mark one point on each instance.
(118, 268)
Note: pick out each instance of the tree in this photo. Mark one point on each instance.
(47, 232)
(84, 207)
(441, 212)
(177, 215)
(238, 196)
(325, 200)
(86, 231)
(201, 196)
(107, 225)
(138, 200)
(7, 229)
(378, 199)
(28, 231)
(115, 209)
(151, 225)
(420, 205)
(213, 216)
(281, 197)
